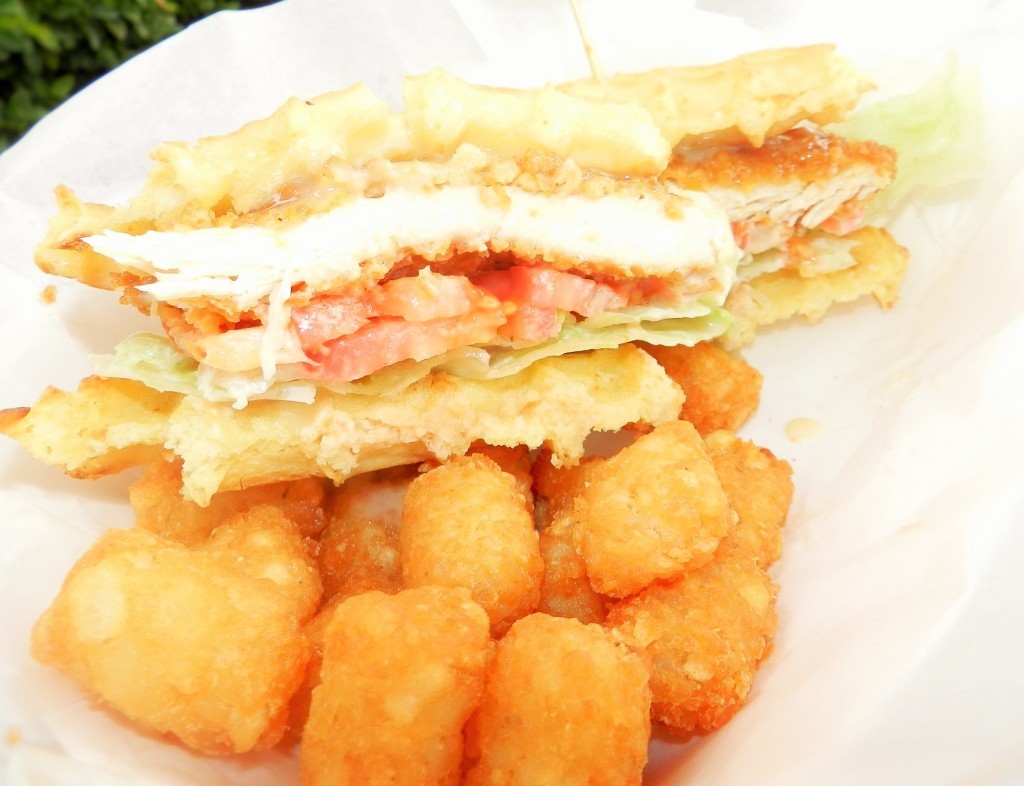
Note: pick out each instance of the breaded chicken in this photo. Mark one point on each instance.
(565, 703)
(796, 181)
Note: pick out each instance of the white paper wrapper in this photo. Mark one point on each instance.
(900, 641)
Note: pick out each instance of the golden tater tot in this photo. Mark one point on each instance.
(760, 489)
(264, 544)
(651, 512)
(315, 631)
(465, 524)
(556, 488)
(722, 390)
(515, 461)
(566, 590)
(160, 507)
(706, 633)
(400, 676)
(565, 703)
(359, 546)
(179, 641)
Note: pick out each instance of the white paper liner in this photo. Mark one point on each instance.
(899, 648)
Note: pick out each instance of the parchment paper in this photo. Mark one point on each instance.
(898, 659)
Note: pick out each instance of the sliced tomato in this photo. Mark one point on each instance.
(387, 340)
(547, 288)
(426, 296)
(531, 323)
(329, 317)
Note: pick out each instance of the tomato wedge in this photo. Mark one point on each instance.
(531, 323)
(329, 317)
(427, 296)
(387, 340)
(548, 288)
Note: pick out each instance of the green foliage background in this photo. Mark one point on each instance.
(51, 48)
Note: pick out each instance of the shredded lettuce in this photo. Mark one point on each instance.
(936, 132)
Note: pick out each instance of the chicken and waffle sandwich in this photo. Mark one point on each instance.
(344, 287)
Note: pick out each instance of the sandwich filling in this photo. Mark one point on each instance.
(478, 264)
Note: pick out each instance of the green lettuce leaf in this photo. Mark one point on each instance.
(936, 131)
(152, 360)
(157, 363)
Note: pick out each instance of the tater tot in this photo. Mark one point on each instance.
(556, 488)
(760, 489)
(315, 632)
(651, 512)
(400, 676)
(359, 545)
(722, 390)
(565, 703)
(178, 641)
(515, 461)
(465, 524)
(706, 634)
(160, 507)
(566, 590)
(265, 544)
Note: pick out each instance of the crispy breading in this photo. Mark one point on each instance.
(722, 390)
(774, 297)
(795, 182)
(706, 634)
(466, 524)
(651, 512)
(745, 99)
(111, 424)
(800, 154)
(760, 489)
(159, 506)
(182, 642)
(359, 547)
(400, 676)
(565, 703)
